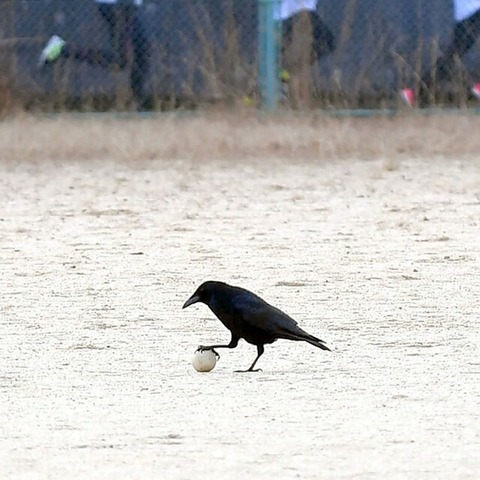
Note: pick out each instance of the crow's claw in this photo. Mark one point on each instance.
(202, 348)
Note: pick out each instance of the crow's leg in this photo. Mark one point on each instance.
(233, 343)
(260, 350)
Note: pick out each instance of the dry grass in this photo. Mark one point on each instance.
(238, 136)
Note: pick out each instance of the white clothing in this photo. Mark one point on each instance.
(135, 2)
(288, 8)
(465, 8)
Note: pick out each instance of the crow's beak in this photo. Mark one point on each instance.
(193, 299)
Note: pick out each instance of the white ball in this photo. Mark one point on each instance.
(204, 360)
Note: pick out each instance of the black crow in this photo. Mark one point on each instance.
(249, 317)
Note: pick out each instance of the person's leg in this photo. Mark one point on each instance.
(115, 17)
(464, 36)
(323, 38)
(141, 55)
(297, 45)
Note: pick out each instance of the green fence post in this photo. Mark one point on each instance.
(268, 42)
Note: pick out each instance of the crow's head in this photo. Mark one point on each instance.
(203, 293)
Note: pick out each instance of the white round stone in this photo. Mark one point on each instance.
(204, 360)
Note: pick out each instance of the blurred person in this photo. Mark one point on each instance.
(467, 30)
(305, 39)
(129, 44)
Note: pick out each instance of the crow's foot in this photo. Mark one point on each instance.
(203, 348)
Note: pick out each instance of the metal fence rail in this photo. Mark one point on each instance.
(199, 51)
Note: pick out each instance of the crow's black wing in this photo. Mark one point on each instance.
(257, 313)
(254, 313)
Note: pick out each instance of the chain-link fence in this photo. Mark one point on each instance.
(169, 53)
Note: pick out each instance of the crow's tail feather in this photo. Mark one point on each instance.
(305, 337)
(316, 342)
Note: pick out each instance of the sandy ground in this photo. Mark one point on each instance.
(371, 244)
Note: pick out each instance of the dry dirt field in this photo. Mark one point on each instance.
(367, 231)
